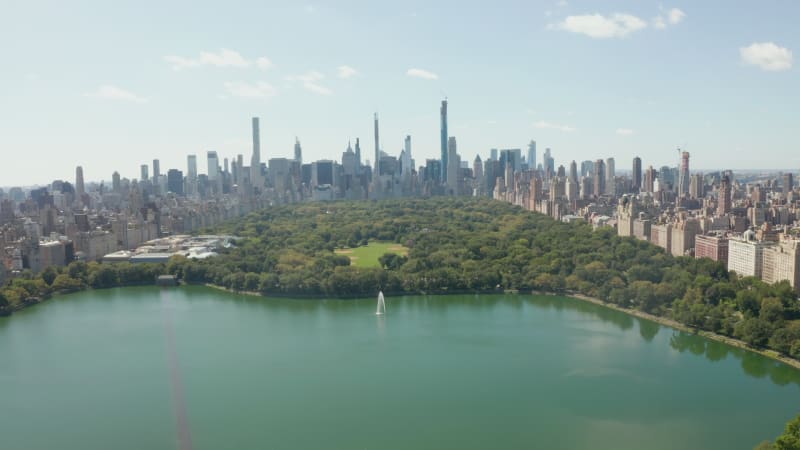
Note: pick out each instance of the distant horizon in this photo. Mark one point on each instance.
(625, 171)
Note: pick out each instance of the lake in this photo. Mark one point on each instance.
(199, 368)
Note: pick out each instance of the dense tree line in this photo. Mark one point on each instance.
(456, 245)
(789, 440)
(29, 289)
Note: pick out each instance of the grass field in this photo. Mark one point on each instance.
(368, 255)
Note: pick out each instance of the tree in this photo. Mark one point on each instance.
(65, 283)
(49, 275)
(104, 276)
(771, 310)
(789, 440)
(754, 331)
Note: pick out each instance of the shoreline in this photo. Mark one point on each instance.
(664, 321)
(733, 342)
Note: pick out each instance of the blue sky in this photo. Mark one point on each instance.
(112, 85)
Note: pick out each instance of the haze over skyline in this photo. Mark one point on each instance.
(110, 87)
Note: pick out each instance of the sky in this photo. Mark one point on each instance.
(113, 85)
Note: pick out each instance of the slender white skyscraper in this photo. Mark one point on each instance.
(443, 141)
(255, 160)
(298, 151)
(79, 187)
(377, 148)
(406, 162)
(453, 165)
(191, 174)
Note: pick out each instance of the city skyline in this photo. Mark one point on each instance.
(587, 82)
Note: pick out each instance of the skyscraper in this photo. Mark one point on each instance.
(213, 166)
(255, 160)
(298, 151)
(175, 181)
(599, 177)
(443, 138)
(610, 175)
(358, 156)
(191, 177)
(377, 160)
(548, 164)
(696, 186)
(453, 165)
(587, 168)
(683, 175)
(532, 155)
(156, 170)
(191, 163)
(636, 176)
(405, 162)
(724, 199)
(788, 183)
(650, 176)
(145, 172)
(477, 169)
(79, 187)
(573, 172)
(116, 185)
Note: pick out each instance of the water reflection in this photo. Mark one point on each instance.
(648, 330)
(753, 364)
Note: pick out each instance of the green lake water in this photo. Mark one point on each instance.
(192, 367)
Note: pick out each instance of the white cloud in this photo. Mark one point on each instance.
(223, 58)
(562, 3)
(672, 17)
(553, 126)
(675, 16)
(263, 63)
(767, 55)
(347, 72)
(624, 131)
(421, 73)
(306, 77)
(598, 26)
(310, 82)
(110, 92)
(317, 88)
(259, 89)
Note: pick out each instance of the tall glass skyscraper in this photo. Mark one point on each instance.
(532, 155)
(443, 112)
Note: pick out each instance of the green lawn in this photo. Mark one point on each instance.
(368, 255)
